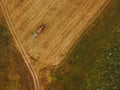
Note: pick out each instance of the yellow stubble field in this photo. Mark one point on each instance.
(65, 21)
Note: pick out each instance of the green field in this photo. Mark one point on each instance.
(13, 72)
(94, 63)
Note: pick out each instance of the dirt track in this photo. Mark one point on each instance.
(66, 20)
(20, 47)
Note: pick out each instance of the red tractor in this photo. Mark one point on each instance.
(37, 32)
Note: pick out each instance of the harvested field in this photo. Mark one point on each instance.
(65, 21)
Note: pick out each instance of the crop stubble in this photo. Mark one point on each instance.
(65, 21)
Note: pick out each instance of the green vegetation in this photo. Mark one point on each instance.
(14, 74)
(9, 79)
(94, 63)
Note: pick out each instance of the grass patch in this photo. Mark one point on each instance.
(88, 67)
(14, 74)
(8, 72)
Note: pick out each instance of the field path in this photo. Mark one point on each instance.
(20, 47)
